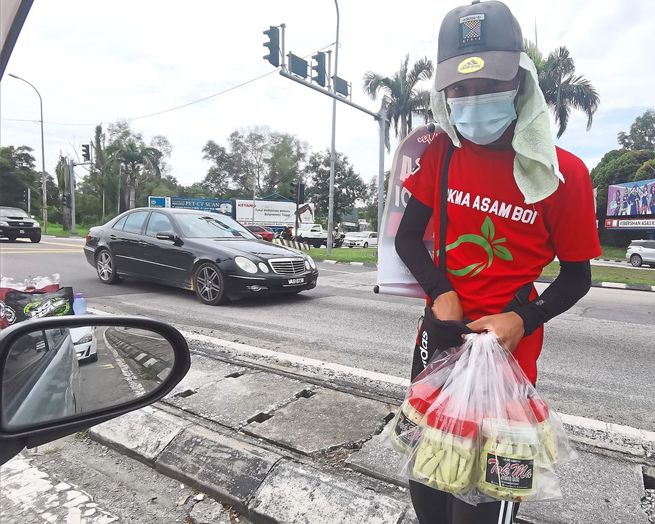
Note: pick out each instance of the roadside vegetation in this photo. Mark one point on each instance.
(599, 273)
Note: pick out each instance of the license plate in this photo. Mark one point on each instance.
(22, 231)
(296, 280)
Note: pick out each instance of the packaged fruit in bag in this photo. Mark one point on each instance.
(405, 431)
(447, 453)
(507, 460)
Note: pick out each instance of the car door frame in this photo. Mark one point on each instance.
(128, 248)
(155, 250)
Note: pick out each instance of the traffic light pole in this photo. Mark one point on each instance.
(333, 152)
(71, 185)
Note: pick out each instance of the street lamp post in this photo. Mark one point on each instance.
(43, 175)
(333, 153)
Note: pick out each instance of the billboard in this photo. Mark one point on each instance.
(265, 212)
(634, 199)
(212, 205)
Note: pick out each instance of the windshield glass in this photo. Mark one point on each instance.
(12, 212)
(358, 235)
(211, 226)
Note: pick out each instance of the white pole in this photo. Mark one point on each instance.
(333, 148)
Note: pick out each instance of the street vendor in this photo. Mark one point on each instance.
(513, 202)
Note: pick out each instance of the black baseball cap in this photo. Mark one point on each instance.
(481, 40)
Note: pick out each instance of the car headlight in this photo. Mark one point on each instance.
(311, 262)
(37, 225)
(307, 266)
(84, 340)
(247, 265)
(3, 223)
(263, 267)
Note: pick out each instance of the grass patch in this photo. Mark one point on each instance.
(367, 255)
(58, 230)
(610, 274)
(613, 252)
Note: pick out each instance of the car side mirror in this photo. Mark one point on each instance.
(258, 237)
(60, 375)
(167, 235)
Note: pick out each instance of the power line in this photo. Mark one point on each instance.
(170, 109)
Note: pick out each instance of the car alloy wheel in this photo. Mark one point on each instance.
(365, 245)
(208, 283)
(105, 267)
(635, 260)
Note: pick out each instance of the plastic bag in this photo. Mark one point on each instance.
(486, 435)
(34, 297)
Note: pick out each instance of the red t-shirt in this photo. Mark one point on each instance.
(495, 242)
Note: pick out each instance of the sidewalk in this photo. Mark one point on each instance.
(285, 445)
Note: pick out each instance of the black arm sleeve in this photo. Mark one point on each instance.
(410, 248)
(572, 283)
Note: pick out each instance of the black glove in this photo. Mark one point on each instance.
(435, 336)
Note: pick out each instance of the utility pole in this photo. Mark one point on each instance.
(71, 185)
(333, 152)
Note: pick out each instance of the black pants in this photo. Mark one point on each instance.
(436, 507)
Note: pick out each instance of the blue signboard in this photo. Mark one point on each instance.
(213, 205)
(155, 201)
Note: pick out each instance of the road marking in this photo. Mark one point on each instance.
(61, 244)
(572, 420)
(33, 490)
(134, 384)
(107, 366)
(21, 251)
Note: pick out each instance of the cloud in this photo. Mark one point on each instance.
(100, 61)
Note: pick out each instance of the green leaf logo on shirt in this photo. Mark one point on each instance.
(492, 246)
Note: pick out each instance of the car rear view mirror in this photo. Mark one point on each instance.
(60, 375)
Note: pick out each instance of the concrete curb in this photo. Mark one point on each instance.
(543, 280)
(143, 358)
(608, 285)
(266, 486)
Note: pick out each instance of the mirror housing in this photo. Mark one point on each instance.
(258, 236)
(14, 440)
(167, 235)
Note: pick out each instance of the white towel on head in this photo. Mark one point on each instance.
(536, 169)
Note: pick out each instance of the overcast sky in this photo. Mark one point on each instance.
(98, 61)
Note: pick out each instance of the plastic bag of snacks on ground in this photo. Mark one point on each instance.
(35, 297)
(479, 430)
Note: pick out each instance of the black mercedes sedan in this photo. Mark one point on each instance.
(209, 253)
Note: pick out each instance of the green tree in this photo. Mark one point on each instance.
(219, 176)
(285, 161)
(641, 134)
(137, 162)
(348, 185)
(402, 99)
(17, 173)
(562, 89)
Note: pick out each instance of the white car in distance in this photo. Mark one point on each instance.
(85, 343)
(361, 239)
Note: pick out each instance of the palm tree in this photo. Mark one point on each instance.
(562, 89)
(401, 99)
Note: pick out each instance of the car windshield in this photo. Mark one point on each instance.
(211, 226)
(6, 212)
(359, 235)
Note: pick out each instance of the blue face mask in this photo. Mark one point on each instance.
(483, 118)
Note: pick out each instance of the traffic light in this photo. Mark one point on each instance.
(293, 189)
(301, 193)
(319, 58)
(65, 200)
(86, 152)
(273, 46)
